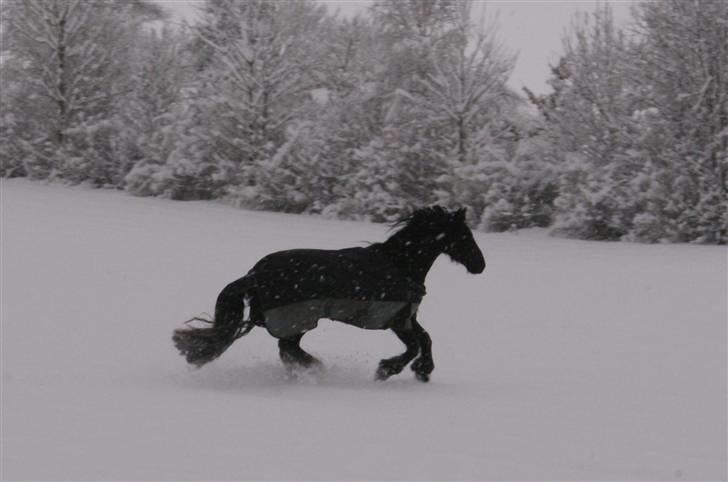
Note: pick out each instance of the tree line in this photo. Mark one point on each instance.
(283, 106)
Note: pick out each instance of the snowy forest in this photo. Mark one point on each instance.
(284, 106)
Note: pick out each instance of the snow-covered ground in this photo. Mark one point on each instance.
(564, 360)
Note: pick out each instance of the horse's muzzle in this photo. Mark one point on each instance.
(477, 266)
(478, 269)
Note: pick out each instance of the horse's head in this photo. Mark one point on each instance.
(452, 236)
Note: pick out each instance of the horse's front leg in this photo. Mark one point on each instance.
(394, 365)
(423, 365)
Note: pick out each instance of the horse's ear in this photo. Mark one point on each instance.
(460, 214)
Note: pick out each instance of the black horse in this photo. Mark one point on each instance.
(379, 286)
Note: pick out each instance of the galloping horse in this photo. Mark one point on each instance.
(379, 286)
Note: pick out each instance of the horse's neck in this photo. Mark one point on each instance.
(412, 257)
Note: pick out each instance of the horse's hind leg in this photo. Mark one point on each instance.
(293, 355)
(394, 365)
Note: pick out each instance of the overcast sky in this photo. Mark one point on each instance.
(532, 28)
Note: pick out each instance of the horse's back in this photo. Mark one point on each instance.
(297, 259)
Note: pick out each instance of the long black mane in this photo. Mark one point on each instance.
(432, 213)
(421, 236)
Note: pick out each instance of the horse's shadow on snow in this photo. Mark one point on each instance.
(271, 376)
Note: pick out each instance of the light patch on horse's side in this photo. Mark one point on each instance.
(289, 320)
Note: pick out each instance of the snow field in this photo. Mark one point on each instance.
(565, 360)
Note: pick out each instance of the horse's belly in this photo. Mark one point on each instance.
(295, 318)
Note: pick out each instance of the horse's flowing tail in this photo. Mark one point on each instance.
(202, 345)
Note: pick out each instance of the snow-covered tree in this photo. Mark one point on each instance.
(154, 112)
(466, 86)
(465, 100)
(71, 55)
(683, 61)
(410, 31)
(262, 72)
(637, 125)
(12, 123)
(318, 159)
(439, 84)
(350, 57)
(254, 69)
(520, 189)
(588, 123)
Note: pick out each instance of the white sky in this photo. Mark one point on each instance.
(532, 28)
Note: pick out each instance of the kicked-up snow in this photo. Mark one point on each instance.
(564, 360)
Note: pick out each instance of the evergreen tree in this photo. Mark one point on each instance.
(592, 136)
(154, 112)
(72, 58)
(441, 85)
(682, 58)
(636, 126)
(261, 73)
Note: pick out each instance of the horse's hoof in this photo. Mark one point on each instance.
(385, 371)
(422, 368)
(382, 374)
(423, 377)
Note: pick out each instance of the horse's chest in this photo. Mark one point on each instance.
(295, 318)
